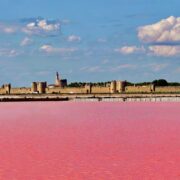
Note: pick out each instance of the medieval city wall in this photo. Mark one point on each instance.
(167, 89)
(115, 87)
(20, 91)
(138, 89)
(70, 90)
(78, 90)
(94, 90)
(2, 91)
(100, 89)
(148, 89)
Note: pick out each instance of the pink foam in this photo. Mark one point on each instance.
(66, 140)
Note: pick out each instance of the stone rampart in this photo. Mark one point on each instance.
(138, 89)
(68, 90)
(2, 91)
(23, 90)
(168, 89)
(100, 89)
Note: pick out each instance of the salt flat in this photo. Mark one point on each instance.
(89, 140)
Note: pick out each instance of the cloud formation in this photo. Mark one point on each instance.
(40, 27)
(4, 52)
(163, 39)
(155, 50)
(130, 50)
(53, 50)
(74, 38)
(164, 31)
(26, 41)
(166, 51)
(32, 26)
(7, 29)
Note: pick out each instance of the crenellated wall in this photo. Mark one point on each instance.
(168, 89)
(100, 89)
(20, 91)
(115, 87)
(151, 88)
(139, 89)
(80, 90)
(71, 90)
(2, 91)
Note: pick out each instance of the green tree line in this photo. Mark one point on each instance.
(158, 82)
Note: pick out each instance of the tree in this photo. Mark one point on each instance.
(160, 82)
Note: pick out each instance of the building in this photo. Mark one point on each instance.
(60, 87)
(58, 82)
(39, 87)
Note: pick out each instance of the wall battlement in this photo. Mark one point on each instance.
(113, 88)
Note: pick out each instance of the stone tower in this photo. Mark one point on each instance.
(7, 88)
(88, 88)
(120, 86)
(34, 87)
(117, 86)
(113, 87)
(57, 81)
(42, 87)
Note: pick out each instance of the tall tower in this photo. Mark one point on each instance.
(57, 81)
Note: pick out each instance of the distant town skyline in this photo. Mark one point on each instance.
(97, 40)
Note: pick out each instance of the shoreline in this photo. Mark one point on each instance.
(92, 97)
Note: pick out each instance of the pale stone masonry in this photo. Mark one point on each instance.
(60, 87)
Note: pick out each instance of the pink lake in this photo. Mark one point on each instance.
(89, 141)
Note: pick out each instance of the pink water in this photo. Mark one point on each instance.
(89, 141)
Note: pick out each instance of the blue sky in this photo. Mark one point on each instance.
(97, 40)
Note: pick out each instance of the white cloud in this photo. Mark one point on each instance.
(166, 51)
(32, 27)
(7, 29)
(130, 50)
(154, 50)
(74, 38)
(40, 27)
(163, 35)
(9, 52)
(26, 41)
(166, 30)
(53, 50)
(43, 24)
